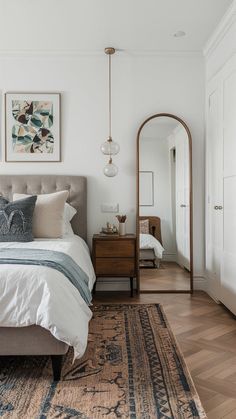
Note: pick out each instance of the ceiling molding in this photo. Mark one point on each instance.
(167, 53)
(27, 53)
(226, 22)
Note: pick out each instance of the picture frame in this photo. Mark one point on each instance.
(32, 127)
(146, 181)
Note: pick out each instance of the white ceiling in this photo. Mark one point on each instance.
(90, 25)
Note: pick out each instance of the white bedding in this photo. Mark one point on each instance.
(45, 297)
(147, 241)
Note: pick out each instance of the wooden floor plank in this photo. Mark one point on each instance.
(225, 408)
(168, 277)
(230, 415)
(206, 333)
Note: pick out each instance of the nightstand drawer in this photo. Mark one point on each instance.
(115, 248)
(115, 266)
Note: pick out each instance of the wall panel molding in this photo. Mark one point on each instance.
(224, 26)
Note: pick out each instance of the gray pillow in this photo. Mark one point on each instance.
(16, 219)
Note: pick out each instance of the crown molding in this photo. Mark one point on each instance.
(28, 53)
(162, 53)
(46, 53)
(222, 28)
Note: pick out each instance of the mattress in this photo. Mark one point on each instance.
(147, 241)
(39, 295)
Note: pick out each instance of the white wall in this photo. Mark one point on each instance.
(143, 85)
(155, 156)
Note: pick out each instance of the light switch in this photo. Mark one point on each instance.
(110, 208)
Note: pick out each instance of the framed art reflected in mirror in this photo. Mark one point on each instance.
(146, 182)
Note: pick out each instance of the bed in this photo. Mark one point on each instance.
(150, 247)
(44, 337)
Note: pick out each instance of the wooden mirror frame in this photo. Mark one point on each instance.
(190, 291)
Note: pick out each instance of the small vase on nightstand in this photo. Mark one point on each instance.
(122, 229)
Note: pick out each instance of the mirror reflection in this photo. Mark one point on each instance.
(164, 206)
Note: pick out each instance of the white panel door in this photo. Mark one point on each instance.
(228, 273)
(229, 121)
(214, 226)
(182, 198)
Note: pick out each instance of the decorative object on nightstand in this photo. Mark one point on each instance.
(115, 256)
(109, 229)
(122, 220)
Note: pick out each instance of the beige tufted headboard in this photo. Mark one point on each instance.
(39, 184)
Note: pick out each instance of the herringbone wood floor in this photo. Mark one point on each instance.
(169, 276)
(206, 333)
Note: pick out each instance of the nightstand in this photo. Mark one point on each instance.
(115, 256)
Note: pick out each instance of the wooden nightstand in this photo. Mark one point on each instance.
(115, 256)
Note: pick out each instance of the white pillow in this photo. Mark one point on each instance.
(69, 213)
(48, 215)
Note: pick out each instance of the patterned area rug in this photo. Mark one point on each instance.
(132, 369)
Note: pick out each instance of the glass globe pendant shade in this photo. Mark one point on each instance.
(110, 170)
(110, 147)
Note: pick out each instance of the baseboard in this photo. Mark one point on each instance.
(122, 284)
(211, 294)
(210, 291)
(169, 257)
(116, 284)
(199, 283)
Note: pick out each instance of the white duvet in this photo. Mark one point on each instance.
(147, 241)
(45, 297)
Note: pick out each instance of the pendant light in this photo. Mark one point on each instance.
(110, 147)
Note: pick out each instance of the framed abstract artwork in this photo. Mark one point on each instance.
(32, 127)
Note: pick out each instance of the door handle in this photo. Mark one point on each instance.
(183, 206)
(218, 207)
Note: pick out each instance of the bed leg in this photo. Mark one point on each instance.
(56, 366)
(94, 287)
(131, 286)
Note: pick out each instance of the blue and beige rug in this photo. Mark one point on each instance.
(132, 369)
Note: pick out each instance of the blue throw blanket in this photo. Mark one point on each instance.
(56, 260)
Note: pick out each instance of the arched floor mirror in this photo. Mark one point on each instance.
(164, 206)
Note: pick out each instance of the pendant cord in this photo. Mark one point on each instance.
(109, 96)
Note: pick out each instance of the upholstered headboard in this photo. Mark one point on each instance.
(154, 226)
(40, 184)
